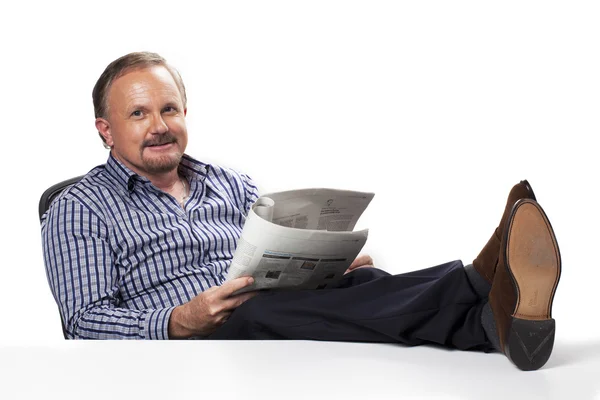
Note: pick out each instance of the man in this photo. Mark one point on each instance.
(139, 248)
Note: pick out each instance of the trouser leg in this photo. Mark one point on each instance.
(434, 305)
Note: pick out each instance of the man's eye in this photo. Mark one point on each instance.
(136, 113)
(169, 109)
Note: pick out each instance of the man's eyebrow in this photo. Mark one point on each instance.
(144, 107)
(173, 104)
(136, 106)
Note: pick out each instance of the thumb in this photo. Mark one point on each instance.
(363, 259)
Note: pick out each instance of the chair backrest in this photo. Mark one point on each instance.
(50, 194)
(53, 191)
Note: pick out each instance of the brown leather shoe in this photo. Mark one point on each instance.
(486, 261)
(517, 317)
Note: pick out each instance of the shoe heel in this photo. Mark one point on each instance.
(530, 342)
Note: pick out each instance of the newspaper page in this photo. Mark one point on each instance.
(300, 239)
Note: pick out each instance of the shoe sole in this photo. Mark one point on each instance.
(533, 260)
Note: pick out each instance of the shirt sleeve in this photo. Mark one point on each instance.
(84, 280)
(250, 192)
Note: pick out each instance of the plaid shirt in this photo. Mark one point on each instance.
(120, 254)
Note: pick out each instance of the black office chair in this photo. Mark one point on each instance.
(53, 191)
(47, 197)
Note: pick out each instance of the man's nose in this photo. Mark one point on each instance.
(158, 124)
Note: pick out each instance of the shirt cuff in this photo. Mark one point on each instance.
(155, 325)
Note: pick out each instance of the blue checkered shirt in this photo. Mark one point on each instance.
(120, 254)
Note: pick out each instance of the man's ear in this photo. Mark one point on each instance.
(103, 127)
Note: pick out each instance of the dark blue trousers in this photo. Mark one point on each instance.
(435, 305)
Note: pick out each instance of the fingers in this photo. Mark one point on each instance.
(223, 317)
(232, 286)
(235, 301)
(231, 304)
(363, 259)
(219, 299)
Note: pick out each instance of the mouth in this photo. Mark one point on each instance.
(161, 146)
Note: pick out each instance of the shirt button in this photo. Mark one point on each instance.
(130, 185)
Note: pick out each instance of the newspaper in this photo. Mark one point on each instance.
(300, 239)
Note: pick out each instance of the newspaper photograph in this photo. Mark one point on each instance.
(300, 239)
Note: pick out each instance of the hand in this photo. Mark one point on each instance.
(362, 261)
(209, 310)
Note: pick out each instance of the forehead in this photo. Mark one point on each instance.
(143, 83)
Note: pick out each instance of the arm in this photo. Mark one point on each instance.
(84, 280)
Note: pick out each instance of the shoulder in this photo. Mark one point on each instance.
(226, 178)
(221, 178)
(88, 193)
(229, 183)
(238, 186)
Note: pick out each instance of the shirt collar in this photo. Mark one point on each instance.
(194, 169)
(125, 178)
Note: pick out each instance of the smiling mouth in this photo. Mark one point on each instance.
(160, 144)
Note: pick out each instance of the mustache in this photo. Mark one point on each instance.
(165, 138)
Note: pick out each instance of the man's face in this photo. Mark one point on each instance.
(145, 126)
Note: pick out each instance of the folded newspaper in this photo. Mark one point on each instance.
(300, 239)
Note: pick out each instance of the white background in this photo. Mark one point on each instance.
(437, 107)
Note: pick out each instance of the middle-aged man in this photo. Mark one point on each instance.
(139, 249)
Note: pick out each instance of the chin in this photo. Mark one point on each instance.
(162, 164)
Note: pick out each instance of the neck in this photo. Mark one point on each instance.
(165, 182)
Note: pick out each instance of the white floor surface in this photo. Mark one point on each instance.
(289, 370)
